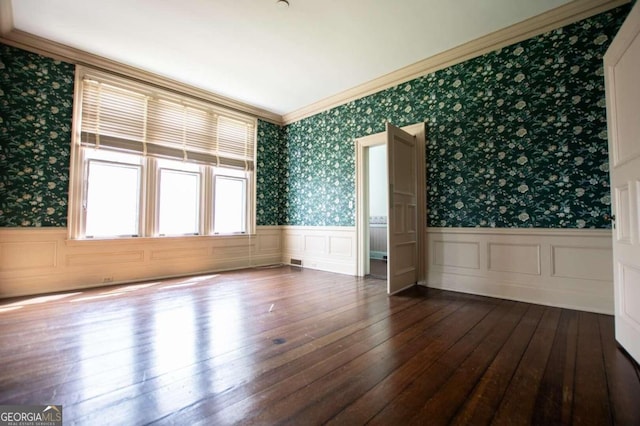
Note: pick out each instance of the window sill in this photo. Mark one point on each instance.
(156, 240)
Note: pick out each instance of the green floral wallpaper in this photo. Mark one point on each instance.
(269, 170)
(36, 99)
(516, 138)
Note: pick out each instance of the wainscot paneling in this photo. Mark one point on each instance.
(570, 268)
(43, 260)
(326, 248)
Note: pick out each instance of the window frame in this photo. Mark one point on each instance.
(200, 195)
(150, 176)
(85, 199)
(230, 176)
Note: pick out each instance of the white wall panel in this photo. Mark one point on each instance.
(456, 254)
(27, 255)
(588, 263)
(517, 258)
(569, 268)
(316, 244)
(326, 248)
(37, 260)
(341, 246)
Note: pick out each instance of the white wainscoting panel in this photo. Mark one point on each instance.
(326, 248)
(457, 254)
(41, 255)
(569, 268)
(42, 260)
(315, 244)
(596, 263)
(518, 258)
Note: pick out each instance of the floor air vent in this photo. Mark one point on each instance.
(297, 262)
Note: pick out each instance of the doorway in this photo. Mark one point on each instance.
(364, 187)
(377, 184)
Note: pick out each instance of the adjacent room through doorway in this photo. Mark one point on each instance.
(378, 194)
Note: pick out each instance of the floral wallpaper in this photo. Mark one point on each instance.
(36, 102)
(268, 173)
(319, 171)
(516, 138)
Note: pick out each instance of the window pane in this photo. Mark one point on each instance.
(229, 205)
(179, 202)
(113, 196)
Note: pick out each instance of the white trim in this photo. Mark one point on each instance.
(555, 18)
(551, 232)
(318, 228)
(362, 198)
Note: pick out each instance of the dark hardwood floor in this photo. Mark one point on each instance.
(302, 347)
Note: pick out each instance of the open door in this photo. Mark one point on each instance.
(622, 67)
(402, 229)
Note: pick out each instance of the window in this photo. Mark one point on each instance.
(112, 200)
(230, 199)
(179, 200)
(149, 163)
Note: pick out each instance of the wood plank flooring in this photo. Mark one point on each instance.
(291, 346)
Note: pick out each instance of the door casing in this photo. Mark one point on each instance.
(362, 197)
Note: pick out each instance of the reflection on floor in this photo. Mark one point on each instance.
(378, 269)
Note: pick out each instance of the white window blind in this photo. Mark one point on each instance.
(134, 117)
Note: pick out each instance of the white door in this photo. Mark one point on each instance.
(402, 227)
(622, 79)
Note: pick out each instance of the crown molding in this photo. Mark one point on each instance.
(553, 19)
(52, 49)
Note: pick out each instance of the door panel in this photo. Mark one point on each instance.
(402, 235)
(622, 67)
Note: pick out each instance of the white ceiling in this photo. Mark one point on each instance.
(278, 59)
